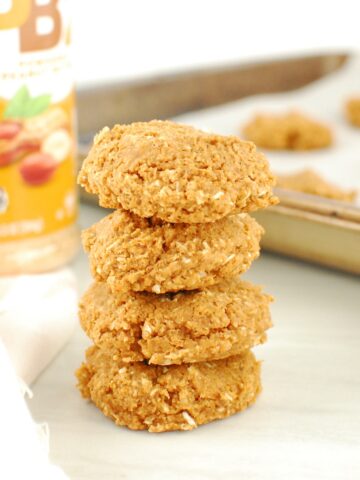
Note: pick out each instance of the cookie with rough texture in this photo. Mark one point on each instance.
(179, 397)
(290, 131)
(176, 173)
(139, 254)
(352, 110)
(308, 181)
(217, 322)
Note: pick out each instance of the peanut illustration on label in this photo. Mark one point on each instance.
(34, 135)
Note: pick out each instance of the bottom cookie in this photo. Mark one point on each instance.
(164, 398)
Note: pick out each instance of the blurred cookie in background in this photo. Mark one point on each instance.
(308, 181)
(352, 111)
(288, 131)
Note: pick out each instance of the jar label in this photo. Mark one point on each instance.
(37, 122)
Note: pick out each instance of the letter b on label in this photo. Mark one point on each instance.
(27, 15)
(30, 37)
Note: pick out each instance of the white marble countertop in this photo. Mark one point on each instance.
(305, 425)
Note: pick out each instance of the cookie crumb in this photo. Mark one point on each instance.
(228, 396)
(218, 195)
(99, 136)
(229, 258)
(189, 419)
(147, 329)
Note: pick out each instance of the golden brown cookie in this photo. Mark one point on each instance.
(290, 131)
(209, 324)
(352, 110)
(179, 397)
(134, 253)
(308, 181)
(176, 173)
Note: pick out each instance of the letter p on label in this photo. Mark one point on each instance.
(14, 13)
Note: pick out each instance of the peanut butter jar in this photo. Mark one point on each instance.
(38, 202)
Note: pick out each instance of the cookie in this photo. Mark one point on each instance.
(352, 111)
(134, 253)
(290, 131)
(308, 181)
(179, 397)
(209, 324)
(176, 173)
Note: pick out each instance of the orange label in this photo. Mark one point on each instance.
(37, 141)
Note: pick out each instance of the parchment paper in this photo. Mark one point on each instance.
(323, 100)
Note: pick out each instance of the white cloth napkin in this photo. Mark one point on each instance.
(37, 317)
(23, 444)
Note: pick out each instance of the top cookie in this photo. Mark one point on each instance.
(176, 173)
(289, 131)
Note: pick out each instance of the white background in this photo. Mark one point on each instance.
(131, 38)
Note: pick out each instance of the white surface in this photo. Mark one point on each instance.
(115, 39)
(305, 424)
(37, 317)
(323, 100)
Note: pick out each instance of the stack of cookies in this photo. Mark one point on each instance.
(172, 324)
